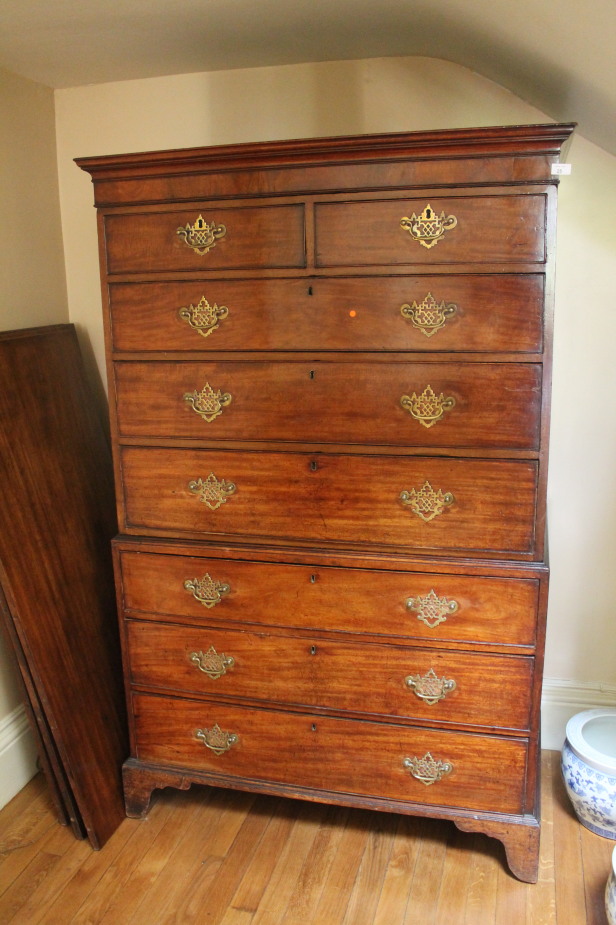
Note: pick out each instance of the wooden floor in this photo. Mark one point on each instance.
(216, 856)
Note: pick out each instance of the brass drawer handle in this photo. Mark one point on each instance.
(428, 228)
(432, 609)
(215, 739)
(203, 317)
(212, 491)
(211, 663)
(427, 769)
(428, 315)
(430, 688)
(206, 590)
(425, 502)
(208, 403)
(427, 408)
(201, 236)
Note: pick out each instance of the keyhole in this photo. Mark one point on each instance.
(428, 213)
(313, 650)
(309, 290)
(312, 373)
(314, 465)
(313, 579)
(314, 727)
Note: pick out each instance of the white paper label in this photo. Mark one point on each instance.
(561, 170)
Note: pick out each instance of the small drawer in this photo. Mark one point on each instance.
(447, 608)
(496, 405)
(498, 229)
(437, 767)
(259, 237)
(475, 313)
(392, 682)
(411, 503)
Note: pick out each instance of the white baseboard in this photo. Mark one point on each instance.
(563, 699)
(17, 754)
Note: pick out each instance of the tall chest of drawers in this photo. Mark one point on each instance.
(329, 370)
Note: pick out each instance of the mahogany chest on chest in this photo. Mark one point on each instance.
(329, 370)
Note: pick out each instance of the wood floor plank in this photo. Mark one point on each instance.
(279, 890)
(344, 869)
(309, 885)
(569, 873)
(206, 901)
(391, 907)
(208, 832)
(257, 875)
(117, 879)
(451, 905)
(218, 857)
(424, 894)
(541, 899)
(596, 856)
(371, 874)
(159, 849)
(480, 907)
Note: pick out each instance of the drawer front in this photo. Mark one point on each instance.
(435, 607)
(420, 684)
(481, 229)
(259, 237)
(462, 313)
(347, 756)
(408, 502)
(397, 404)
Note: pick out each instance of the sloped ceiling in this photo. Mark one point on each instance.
(557, 55)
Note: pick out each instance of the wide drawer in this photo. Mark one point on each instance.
(482, 773)
(390, 681)
(399, 404)
(500, 229)
(405, 502)
(479, 313)
(437, 607)
(251, 237)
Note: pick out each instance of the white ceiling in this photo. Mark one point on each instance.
(558, 55)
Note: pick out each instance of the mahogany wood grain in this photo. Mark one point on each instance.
(316, 261)
(491, 691)
(274, 745)
(491, 612)
(499, 154)
(333, 499)
(494, 404)
(490, 229)
(266, 236)
(57, 520)
(493, 313)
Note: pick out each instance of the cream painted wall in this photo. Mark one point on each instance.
(401, 94)
(30, 237)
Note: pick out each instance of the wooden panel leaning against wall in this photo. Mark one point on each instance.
(57, 518)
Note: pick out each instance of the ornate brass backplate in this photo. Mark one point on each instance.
(203, 317)
(431, 609)
(206, 590)
(215, 739)
(201, 236)
(426, 502)
(211, 663)
(428, 228)
(427, 769)
(428, 315)
(208, 403)
(430, 688)
(212, 491)
(427, 408)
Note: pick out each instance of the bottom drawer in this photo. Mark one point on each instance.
(482, 773)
